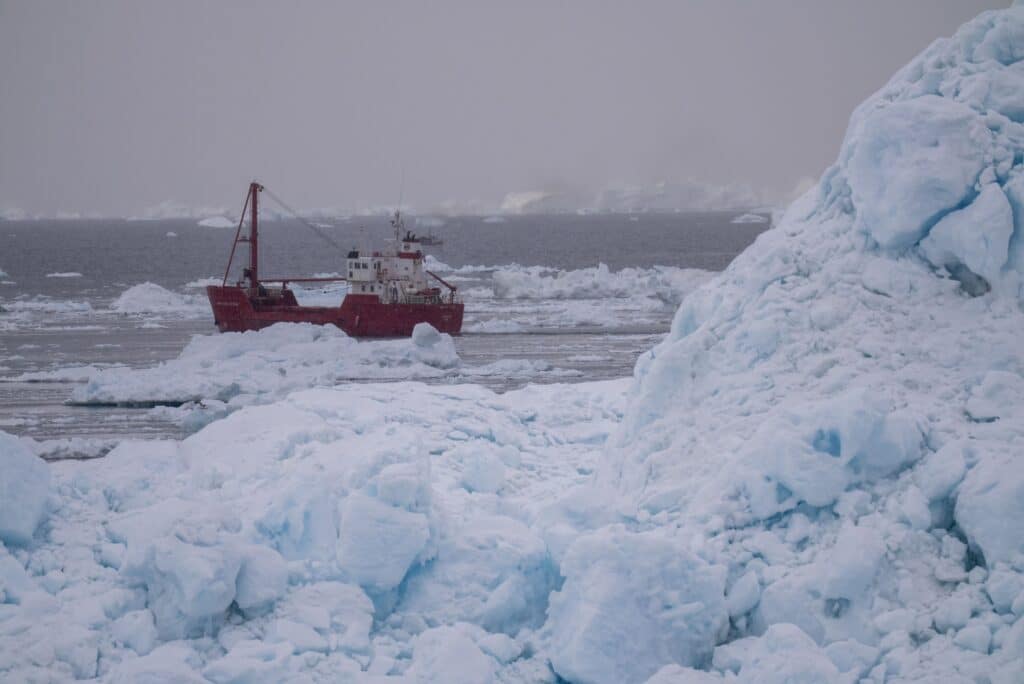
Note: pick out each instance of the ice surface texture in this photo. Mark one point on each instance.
(836, 420)
(329, 535)
(24, 488)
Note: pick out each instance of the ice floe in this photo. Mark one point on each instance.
(223, 372)
(150, 298)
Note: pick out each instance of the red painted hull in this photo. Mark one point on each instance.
(359, 315)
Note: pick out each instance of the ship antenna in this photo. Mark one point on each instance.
(397, 220)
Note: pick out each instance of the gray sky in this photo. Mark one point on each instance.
(111, 107)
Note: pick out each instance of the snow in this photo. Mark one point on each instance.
(24, 489)
(150, 298)
(750, 218)
(325, 534)
(217, 222)
(668, 608)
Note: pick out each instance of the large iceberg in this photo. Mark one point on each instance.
(835, 421)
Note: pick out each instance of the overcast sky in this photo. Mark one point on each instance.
(111, 107)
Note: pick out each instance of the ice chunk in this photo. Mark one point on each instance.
(262, 579)
(492, 570)
(342, 612)
(188, 587)
(1003, 586)
(378, 543)
(24, 488)
(425, 335)
(975, 637)
(956, 238)
(990, 505)
(136, 630)
(999, 395)
(885, 151)
(151, 298)
(940, 472)
(446, 654)
(632, 603)
(251, 661)
(813, 453)
(743, 595)
(483, 471)
(301, 636)
(169, 664)
(676, 674)
(784, 654)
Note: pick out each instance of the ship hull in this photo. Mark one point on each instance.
(358, 315)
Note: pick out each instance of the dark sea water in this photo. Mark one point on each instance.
(52, 322)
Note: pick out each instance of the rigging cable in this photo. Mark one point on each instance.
(322, 235)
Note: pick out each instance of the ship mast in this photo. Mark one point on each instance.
(254, 252)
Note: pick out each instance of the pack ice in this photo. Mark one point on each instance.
(816, 477)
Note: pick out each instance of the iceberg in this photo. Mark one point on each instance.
(217, 222)
(750, 218)
(832, 419)
(150, 298)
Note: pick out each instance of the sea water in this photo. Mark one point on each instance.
(580, 296)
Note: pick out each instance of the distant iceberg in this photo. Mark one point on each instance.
(750, 218)
(218, 222)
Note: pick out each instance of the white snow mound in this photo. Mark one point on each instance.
(150, 298)
(24, 488)
(835, 421)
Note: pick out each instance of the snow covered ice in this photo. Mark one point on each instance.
(815, 477)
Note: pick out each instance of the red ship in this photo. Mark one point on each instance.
(388, 294)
